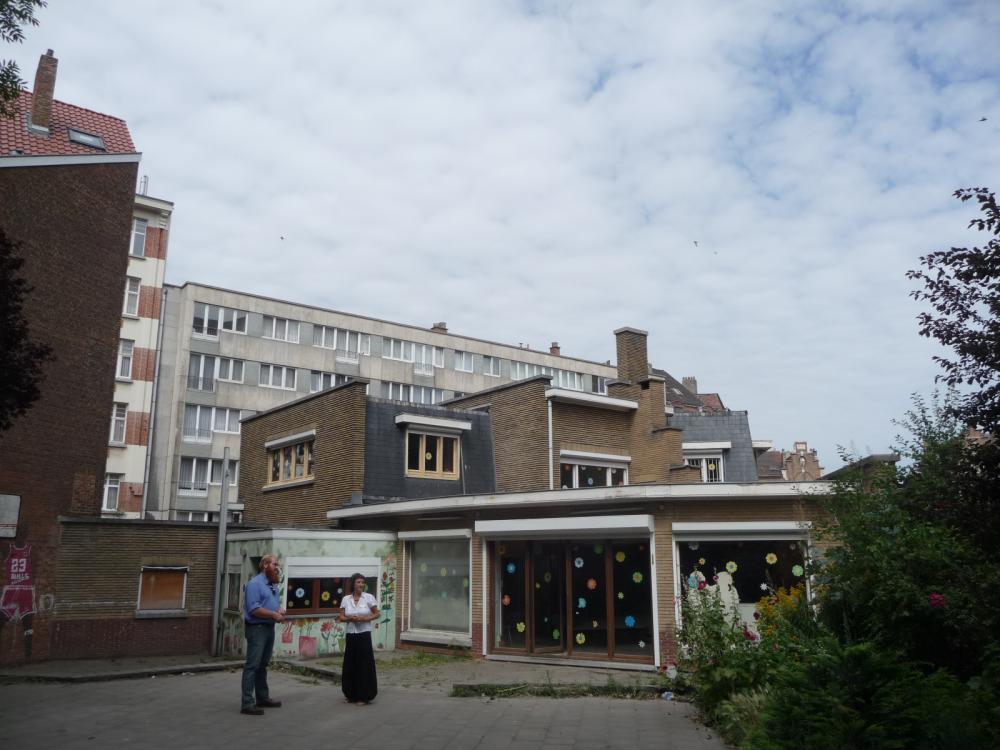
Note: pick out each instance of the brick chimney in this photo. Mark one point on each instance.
(691, 383)
(554, 348)
(633, 360)
(45, 87)
(441, 327)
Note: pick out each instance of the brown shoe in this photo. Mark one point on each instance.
(252, 710)
(269, 704)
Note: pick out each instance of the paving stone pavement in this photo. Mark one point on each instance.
(202, 711)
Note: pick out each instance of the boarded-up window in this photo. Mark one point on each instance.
(162, 588)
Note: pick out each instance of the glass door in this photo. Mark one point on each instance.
(512, 607)
(548, 597)
(588, 598)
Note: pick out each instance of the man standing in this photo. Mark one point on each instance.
(260, 612)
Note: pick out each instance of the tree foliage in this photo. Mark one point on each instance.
(21, 360)
(14, 16)
(962, 286)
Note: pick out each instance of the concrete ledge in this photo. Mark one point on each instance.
(303, 666)
(66, 674)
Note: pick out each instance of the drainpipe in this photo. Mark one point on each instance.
(152, 407)
(551, 476)
(220, 556)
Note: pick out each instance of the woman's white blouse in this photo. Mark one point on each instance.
(364, 606)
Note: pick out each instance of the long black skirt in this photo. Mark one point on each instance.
(358, 680)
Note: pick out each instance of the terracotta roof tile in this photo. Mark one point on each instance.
(14, 134)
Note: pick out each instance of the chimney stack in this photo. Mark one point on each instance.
(554, 348)
(633, 362)
(441, 327)
(45, 87)
(691, 383)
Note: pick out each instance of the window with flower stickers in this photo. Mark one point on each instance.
(291, 463)
(432, 456)
(439, 575)
(321, 595)
(710, 466)
(573, 475)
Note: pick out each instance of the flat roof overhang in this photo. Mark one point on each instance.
(608, 496)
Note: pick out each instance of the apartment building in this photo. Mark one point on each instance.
(226, 355)
(135, 365)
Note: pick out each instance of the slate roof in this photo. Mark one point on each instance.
(385, 454)
(15, 136)
(739, 464)
(770, 465)
(677, 394)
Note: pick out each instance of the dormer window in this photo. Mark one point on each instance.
(710, 467)
(86, 139)
(574, 475)
(431, 456)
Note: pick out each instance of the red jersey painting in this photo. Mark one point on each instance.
(18, 599)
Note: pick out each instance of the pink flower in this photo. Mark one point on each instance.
(937, 600)
(701, 585)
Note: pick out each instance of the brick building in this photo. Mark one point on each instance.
(528, 519)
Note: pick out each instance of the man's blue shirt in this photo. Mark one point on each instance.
(260, 593)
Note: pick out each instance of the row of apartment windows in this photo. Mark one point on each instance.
(200, 422)
(198, 473)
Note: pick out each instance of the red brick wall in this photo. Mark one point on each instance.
(156, 243)
(130, 497)
(143, 364)
(101, 638)
(74, 223)
(149, 301)
(137, 428)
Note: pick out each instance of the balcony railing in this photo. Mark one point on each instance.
(196, 383)
(423, 368)
(198, 433)
(192, 488)
(343, 355)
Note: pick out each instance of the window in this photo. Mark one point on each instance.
(112, 485)
(86, 139)
(207, 319)
(291, 463)
(521, 370)
(600, 385)
(709, 465)
(226, 420)
(422, 394)
(234, 320)
(573, 475)
(233, 589)
(321, 595)
(119, 416)
(397, 349)
(463, 361)
(230, 370)
(397, 391)
(277, 376)
(139, 238)
(281, 329)
(194, 476)
(568, 379)
(439, 571)
(431, 456)
(348, 344)
(320, 381)
(125, 350)
(132, 285)
(426, 358)
(215, 475)
(205, 369)
(197, 423)
(191, 515)
(162, 589)
(491, 366)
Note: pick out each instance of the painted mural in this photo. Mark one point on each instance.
(17, 600)
(316, 634)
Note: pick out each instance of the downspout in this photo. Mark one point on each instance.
(152, 408)
(551, 476)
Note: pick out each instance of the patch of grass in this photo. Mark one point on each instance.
(417, 659)
(549, 690)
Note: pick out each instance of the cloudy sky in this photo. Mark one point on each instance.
(748, 181)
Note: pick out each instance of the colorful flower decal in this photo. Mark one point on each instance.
(594, 623)
(937, 600)
(465, 583)
(299, 593)
(537, 585)
(637, 577)
(501, 550)
(444, 572)
(340, 591)
(701, 560)
(715, 578)
(592, 583)
(547, 577)
(629, 621)
(423, 567)
(505, 600)
(325, 596)
(797, 571)
(731, 567)
(763, 587)
(581, 603)
(770, 558)
(620, 556)
(428, 455)
(621, 595)
(692, 581)
(581, 638)
(511, 567)
(598, 549)
(578, 562)
(590, 481)
(642, 644)
(702, 585)
(693, 546)
(520, 627)
(556, 634)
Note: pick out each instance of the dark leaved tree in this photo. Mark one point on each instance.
(21, 359)
(14, 16)
(962, 286)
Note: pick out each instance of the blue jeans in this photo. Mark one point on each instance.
(260, 643)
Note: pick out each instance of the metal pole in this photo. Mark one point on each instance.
(220, 557)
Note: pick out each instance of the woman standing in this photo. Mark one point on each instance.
(358, 681)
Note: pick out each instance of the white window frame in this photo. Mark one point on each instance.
(700, 459)
(140, 228)
(569, 380)
(231, 316)
(215, 472)
(126, 359)
(112, 481)
(491, 365)
(207, 310)
(231, 414)
(119, 423)
(133, 285)
(289, 329)
(347, 345)
(202, 433)
(325, 380)
(194, 488)
(394, 391)
(397, 349)
(282, 380)
(578, 462)
(446, 637)
(465, 361)
(601, 385)
(419, 394)
(233, 362)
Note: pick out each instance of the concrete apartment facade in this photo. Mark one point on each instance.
(135, 366)
(226, 355)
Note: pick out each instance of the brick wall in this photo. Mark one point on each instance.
(338, 416)
(156, 243)
(74, 223)
(149, 301)
(97, 588)
(143, 364)
(137, 428)
(130, 497)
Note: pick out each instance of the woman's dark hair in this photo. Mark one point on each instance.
(353, 579)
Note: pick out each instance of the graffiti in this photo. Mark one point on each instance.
(17, 602)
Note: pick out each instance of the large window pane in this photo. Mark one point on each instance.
(632, 600)
(440, 571)
(512, 622)
(162, 589)
(589, 597)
